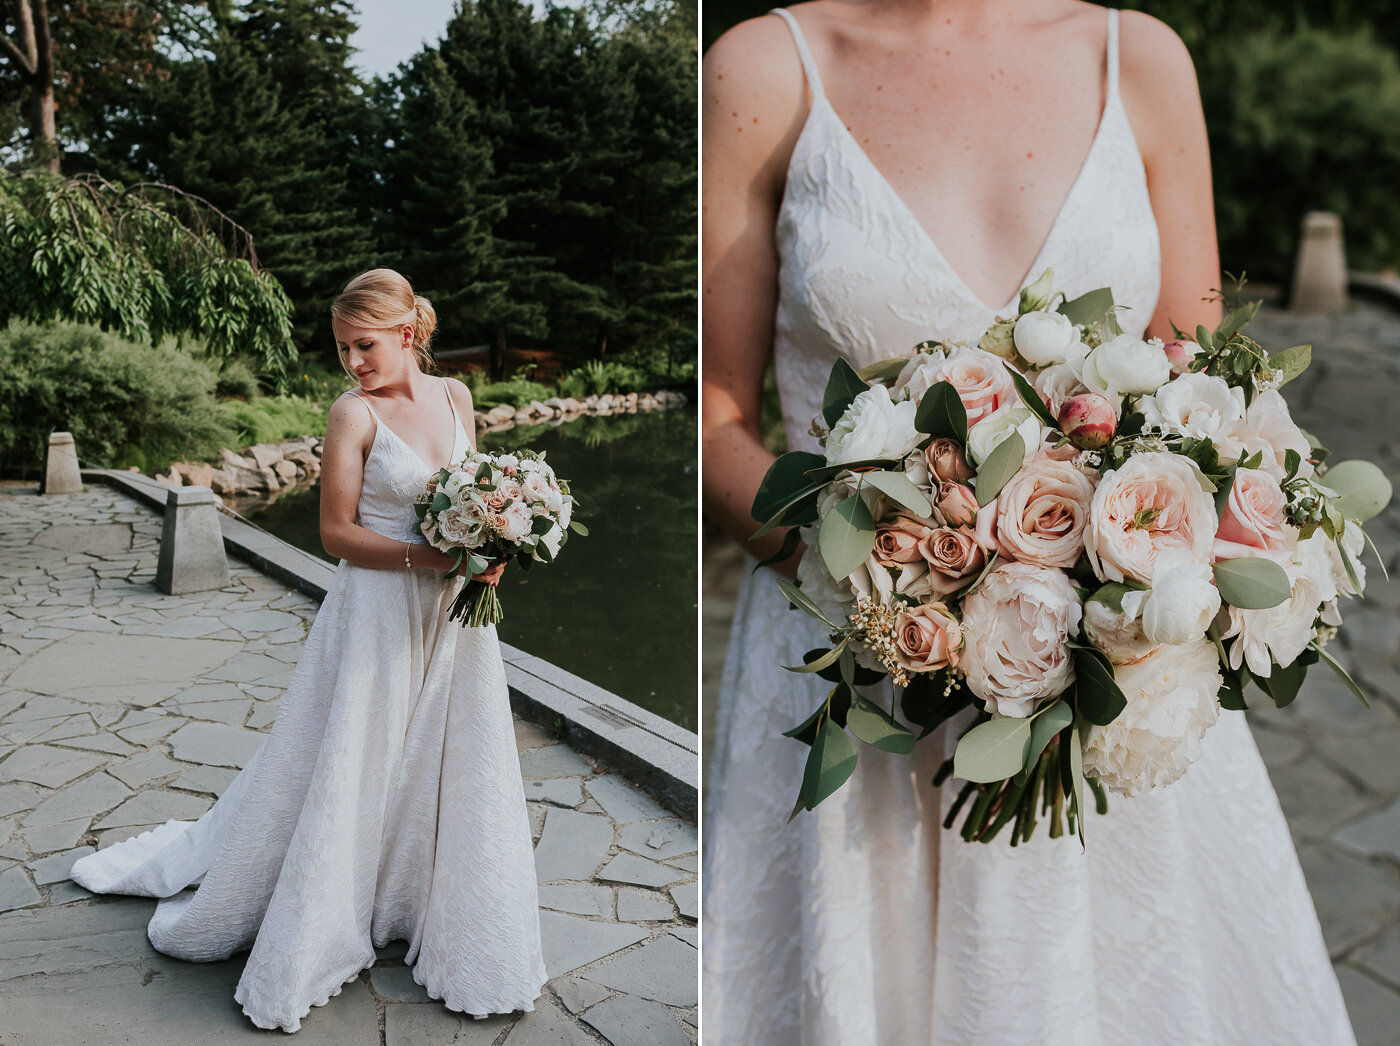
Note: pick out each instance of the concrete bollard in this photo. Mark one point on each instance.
(191, 543)
(61, 474)
(1320, 277)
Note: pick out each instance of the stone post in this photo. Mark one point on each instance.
(61, 467)
(191, 543)
(1320, 278)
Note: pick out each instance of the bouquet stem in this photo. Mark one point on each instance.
(476, 605)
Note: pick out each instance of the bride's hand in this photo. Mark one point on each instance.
(491, 575)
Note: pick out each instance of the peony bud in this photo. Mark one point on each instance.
(947, 460)
(955, 505)
(1088, 421)
(1180, 354)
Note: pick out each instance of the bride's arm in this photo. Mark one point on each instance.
(349, 433)
(1158, 85)
(754, 102)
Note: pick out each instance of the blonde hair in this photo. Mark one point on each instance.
(383, 299)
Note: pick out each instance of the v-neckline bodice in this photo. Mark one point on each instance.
(453, 453)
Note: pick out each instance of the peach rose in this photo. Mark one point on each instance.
(1252, 522)
(1153, 502)
(926, 638)
(497, 500)
(953, 558)
(954, 504)
(898, 542)
(1016, 628)
(947, 461)
(1042, 512)
(981, 380)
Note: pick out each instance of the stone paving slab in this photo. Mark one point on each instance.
(121, 707)
(1335, 764)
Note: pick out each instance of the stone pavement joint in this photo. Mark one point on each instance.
(121, 708)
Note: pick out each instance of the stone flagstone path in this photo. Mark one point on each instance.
(1335, 764)
(121, 708)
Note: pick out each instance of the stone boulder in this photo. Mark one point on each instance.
(194, 473)
(220, 482)
(286, 470)
(265, 455)
(230, 458)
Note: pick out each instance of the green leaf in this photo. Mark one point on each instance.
(897, 487)
(1076, 775)
(941, 413)
(884, 370)
(803, 602)
(1002, 463)
(441, 502)
(834, 708)
(829, 658)
(830, 763)
(1362, 487)
(1222, 494)
(1291, 362)
(1111, 594)
(1286, 681)
(1204, 338)
(1251, 582)
(993, 751)
(823, 474)
(799, 511)
(1088, 309)
(785, 550)
(1047, 723)
(578, 528)
(476, 564)
(541, 526)
(1236, 321)
(1031, 398)
(873, 725)
(1231, 693)
(784, 483)
(846, 537)
(1342, 674)
(860, 676)
(842, 387)
(1098, 697)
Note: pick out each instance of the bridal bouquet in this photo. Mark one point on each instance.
(486, 510)
(1094, 541)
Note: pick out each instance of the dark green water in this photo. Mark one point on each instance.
(619, 606)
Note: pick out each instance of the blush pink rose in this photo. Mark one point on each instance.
(1042, 512)
(981, 380)
(496, 500)
(1016, 629)
(898, 542)
(947, 461)
(926, 638)
(1252, 523)
(953, 558)
(954, 504)
(1155, 501)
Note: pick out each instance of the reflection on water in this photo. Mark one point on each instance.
(618, 608)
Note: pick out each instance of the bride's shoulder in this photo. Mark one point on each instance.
(756, 62)
(1157, 81)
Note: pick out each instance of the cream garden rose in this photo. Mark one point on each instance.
(873, 426)
(1252, 523)
(1045, 338)
(1154, 502)
(1183, 600)
(980, 378)
(987, 435)
(1042, 513)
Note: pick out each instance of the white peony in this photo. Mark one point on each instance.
(454, 483)
(873, 427)
(1198, 405)
(1264, 638)
(1153, 503)
(519, 521)
(986, 436)
(1183, 600)
(1125, 366)
(1118, 633)
(1016, 629)
(1267, 427)
(1043, 338)
(551, 539)
(1171, 704)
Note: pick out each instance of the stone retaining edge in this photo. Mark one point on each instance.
(655, 754)
(1377, 287)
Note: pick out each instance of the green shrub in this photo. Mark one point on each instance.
(312, 379)
(1308, 121)
(269, 419)
(237, 379)
(516, 391)
(573, 385)
(124, 402)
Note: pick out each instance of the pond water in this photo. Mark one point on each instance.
(619, 606)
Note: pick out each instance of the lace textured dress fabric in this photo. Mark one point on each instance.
(386, 804)
(1186, 920)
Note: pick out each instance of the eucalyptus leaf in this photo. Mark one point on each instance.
(824, 473)
(1031, 398)
(842, 387)
(1090, 308)
(1002, 463)
(883, 370)
(803, 602)
(1290, 363)
(993, 751)
(578, 528)
(1045, 726)
(1342, 674)
(798, 511)
(1362, 487)
(897, 487)
(941, 413)
(1076, 774)
(1111, 594)
(846, 537)
(784, 482)
(1098, 696)
(873, 725)
(441, 502)
(1251, 582)
(830, 763)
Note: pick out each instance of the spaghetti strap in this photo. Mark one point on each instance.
(809, 64)
(1112, 52)
(448, 391)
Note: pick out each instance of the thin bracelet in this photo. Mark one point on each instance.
(407, 565)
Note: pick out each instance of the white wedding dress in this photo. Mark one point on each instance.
(1187, 920)
(386, 804)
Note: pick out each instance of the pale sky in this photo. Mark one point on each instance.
(393, 31)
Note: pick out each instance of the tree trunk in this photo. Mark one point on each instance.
(32, 56)
(498, 354)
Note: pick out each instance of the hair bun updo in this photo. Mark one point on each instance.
(383, 299)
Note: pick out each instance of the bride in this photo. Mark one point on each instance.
(386, 803)
(878, 173)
